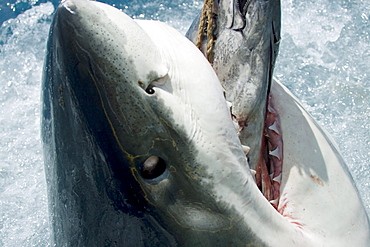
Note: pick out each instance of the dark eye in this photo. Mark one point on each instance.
(153, 167)
(150, 90)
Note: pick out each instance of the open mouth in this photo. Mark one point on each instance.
(269, 167)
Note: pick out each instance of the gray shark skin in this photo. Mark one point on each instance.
(141, 148)
(91, 189)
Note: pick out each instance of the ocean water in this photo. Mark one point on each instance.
(324, 59)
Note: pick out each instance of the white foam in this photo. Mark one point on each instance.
(23, 198)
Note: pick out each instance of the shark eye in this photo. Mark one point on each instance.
(150, 90)
(153, 167)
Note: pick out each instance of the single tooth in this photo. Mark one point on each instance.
(229, 104)
(270, 109)
(236, 126)
(274, 202)
(271, 175)
(274, 128)
(246, 149)
(275, 153)
(277, 178)
(253, 172)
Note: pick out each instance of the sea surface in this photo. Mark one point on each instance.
(324, 60)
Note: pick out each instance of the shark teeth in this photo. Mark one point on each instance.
(253, 172)
(246, 149)
(237, 127)
(274, 202)
(277, 178)
(275, 153)
(274, 128)
(229, 104)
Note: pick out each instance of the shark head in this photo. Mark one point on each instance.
(154, 107)
(140, 144)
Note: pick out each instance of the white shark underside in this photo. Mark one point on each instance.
(118, 92)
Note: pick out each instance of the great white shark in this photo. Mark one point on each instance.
(148, 143)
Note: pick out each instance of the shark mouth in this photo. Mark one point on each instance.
(269, 167)
(268, 170)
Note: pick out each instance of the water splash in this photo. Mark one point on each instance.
(23, 201)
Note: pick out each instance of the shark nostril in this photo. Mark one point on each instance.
(153, 167)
